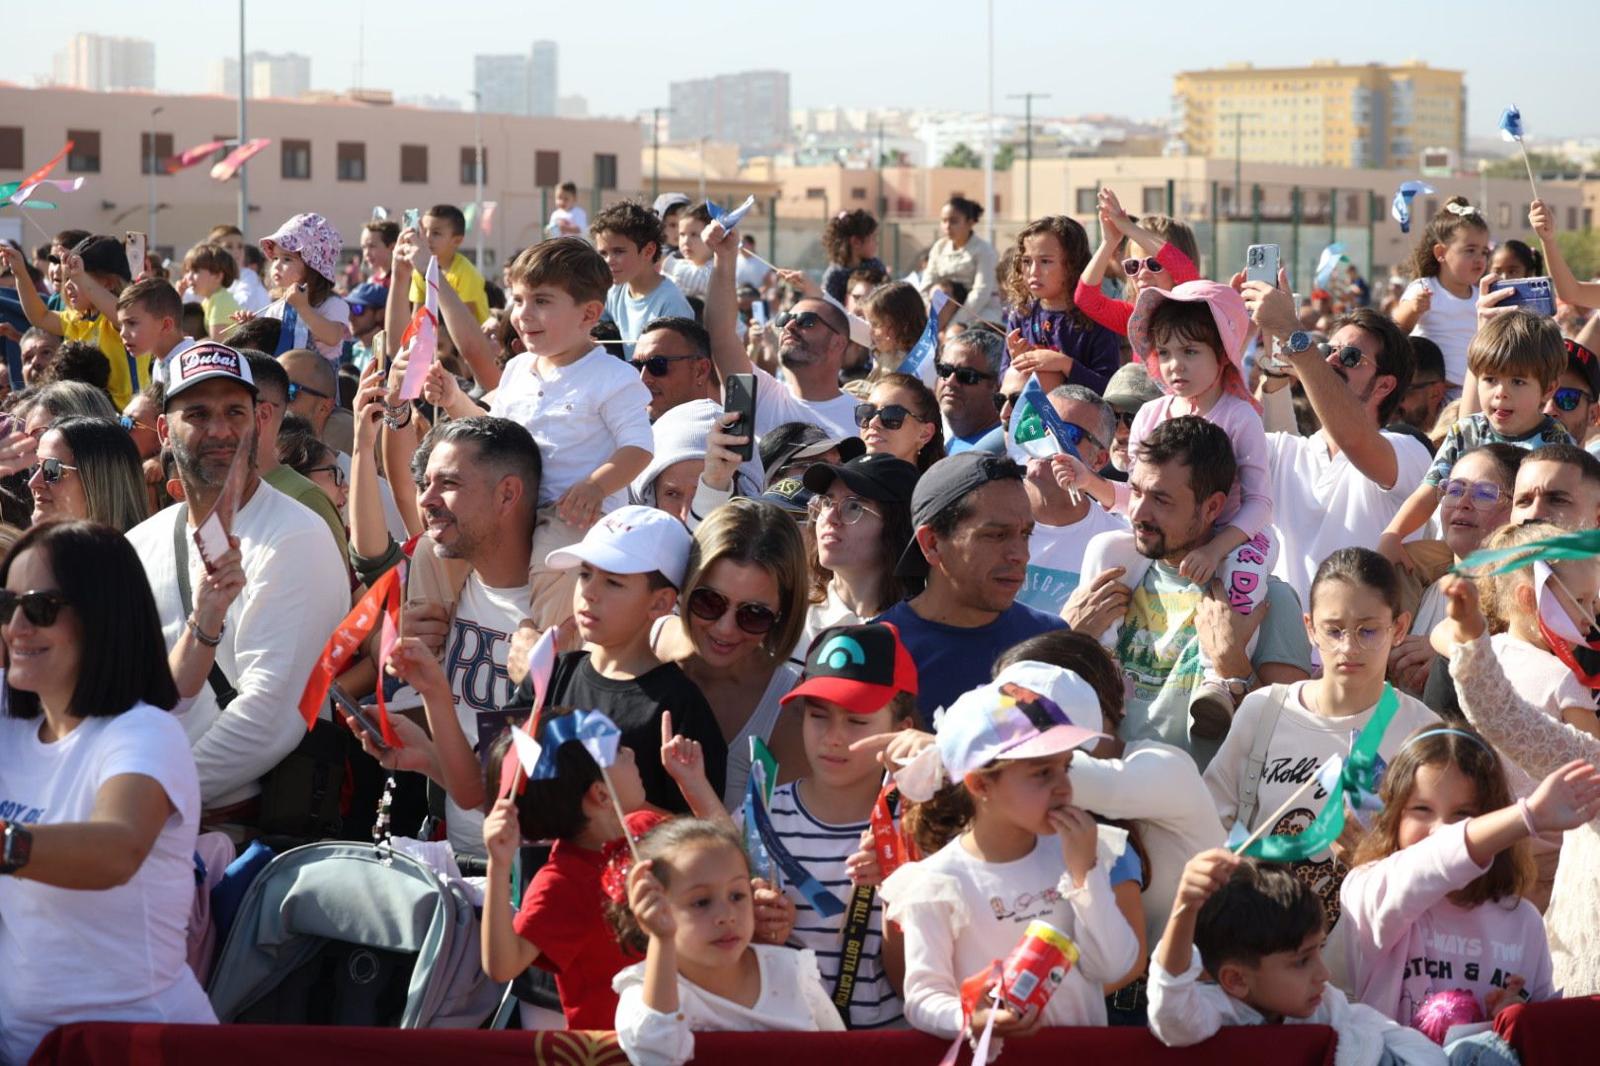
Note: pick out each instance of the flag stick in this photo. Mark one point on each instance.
(1523, 145)
(1271, 820)
(34, 223)
(622, 819)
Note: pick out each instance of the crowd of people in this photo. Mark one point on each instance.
(1050, 619)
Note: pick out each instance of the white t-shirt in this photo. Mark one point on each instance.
(1055, 557)
(1450, 323)
(296, 592)
(249, 293)
(334, 309)
(633, 313)
(691, 280)
(575, 215)
(1322, 503)
(475, 663)
(579, 415)
(115, 954)
(751, 271)
(775, 405)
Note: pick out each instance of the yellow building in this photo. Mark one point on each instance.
(1326, 114)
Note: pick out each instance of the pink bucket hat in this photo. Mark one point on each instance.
(313, 239)
(1227, 310)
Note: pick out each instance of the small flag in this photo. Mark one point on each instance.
(919, 361)
(1552, 615)
(598, 734)
(527, 750)
(237, 158)
(1328, 262)
(21, 195)
(1401, 207)
(191, 156)
(1511, 123)
(1491, 562)
(727, 220)
(1037, 430)
(420, 341)
(42, 173)
(487, 224)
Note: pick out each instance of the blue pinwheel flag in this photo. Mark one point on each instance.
(598, 734)
(1511, 123)
(1401, 207)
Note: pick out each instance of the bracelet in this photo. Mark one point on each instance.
(391, 416)
(1527, 817)
(210, 642)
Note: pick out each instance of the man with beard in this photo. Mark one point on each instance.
(1180, 480)
(1339, 487)
(813, 336)
(244, 720)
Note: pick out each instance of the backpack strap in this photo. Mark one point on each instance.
(1250, 785)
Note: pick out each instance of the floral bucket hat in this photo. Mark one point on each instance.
(313, 239)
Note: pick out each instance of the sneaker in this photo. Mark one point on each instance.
(1210, 710)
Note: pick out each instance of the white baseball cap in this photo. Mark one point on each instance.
(1030, 710)
(207, 360)
(631, 540)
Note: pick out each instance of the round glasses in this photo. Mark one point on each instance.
(39, 608)
(1367, 638)
(709, 605)
(890, 416)
(850, 509)
(1131, 267)
(1569, 398)
(52, 470)
(1481, 493)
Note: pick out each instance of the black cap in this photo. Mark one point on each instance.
(794, 441)
(104, 255)
(944, 483)
(873, 477)
(1581, 360)
(788, 493)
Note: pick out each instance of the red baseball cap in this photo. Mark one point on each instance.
(860, 667)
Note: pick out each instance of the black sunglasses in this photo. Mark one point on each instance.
(1002, 400)
(708, 604)
(1568, 399)
(657, 365)
(52, 469)
(964, 374)
(1076, 435)
(1125, 418)
(295, 389)
(39, 608)
(803, 319)
(1348, 355)
(332, 468)
(1131, 267)
(890, 416)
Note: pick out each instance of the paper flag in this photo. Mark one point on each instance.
(420, 341)
(1037, 430)
(1400, 208)
(63, 184)
(919, 361)
(1328, 262)
(1551, 613)
(727, 220)
(1511, 123)
(598, 734)
(237, 158)
(528, 751)
(42, 173)
(192, 156)
(1490, 562)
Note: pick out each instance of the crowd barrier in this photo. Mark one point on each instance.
(1543, 1034)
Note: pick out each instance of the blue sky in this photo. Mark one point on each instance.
(622, 54)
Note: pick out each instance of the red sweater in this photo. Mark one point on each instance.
(1113, 314)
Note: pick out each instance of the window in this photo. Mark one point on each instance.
(858, 192)
(296, 160)
(11, 148)
(85, 155)
(469, 165)
(352, 161)
(1505, 215)
(158, 156)
(816, 193)
(1153, 201)
(1572, 218)
(1087, 204)
(414, 163)
(547, 169)
(1352, 207)
(605, 170)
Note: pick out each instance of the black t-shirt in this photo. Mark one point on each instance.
(635, 706)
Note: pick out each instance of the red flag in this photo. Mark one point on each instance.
(343, 645)
(44, 171)
(238, 158)
(190, 156)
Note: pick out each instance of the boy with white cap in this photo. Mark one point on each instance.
(630, 566)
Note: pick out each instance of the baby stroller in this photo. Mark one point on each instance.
(338, 933)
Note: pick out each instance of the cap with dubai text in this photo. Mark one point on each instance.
(207, 361)
(860, 667)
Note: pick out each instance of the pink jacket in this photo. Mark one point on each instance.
(1407, 940)
(1249, 504)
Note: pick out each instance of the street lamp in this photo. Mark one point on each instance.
(477, 174)
(150, 225)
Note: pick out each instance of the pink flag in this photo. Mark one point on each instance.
(420, 341)
(190, 156)
(488, 216)
(238, 158)
(40, 174)
(63, 184)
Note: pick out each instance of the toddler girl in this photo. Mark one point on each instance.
(304, 256)
(1442, 303)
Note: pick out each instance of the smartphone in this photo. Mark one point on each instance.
(1261, 264)
(1530, 294)
(357, 714)
(739, 397)
(758, 313)
(412, 219)
(134, 244)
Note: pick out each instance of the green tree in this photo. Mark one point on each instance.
(1005, 157)
(1542, 162)
(1581, 250)
(963, 157)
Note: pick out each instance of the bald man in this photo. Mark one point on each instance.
(315, 387)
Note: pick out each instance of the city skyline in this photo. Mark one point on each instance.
(849, 56)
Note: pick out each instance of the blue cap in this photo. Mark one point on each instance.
(366, 296)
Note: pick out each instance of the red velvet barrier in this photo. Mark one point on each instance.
(1555, 1031)
(264, 1045)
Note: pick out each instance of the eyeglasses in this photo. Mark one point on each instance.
(1002, 400)
(1131, 267)
(850, 509)
(802, 319)
(51, 469)
(709, 605)
(1483, 493)
(1348, 355)
(1418, 386)
(332, 469)
(129, 424)
(964, 374)
(295, 389)
(1568, 399)
(890, 416)
(1367, 638)
(657, 365)
(39, 608)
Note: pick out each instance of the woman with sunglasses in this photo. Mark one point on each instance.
(88, 468)
(742, 609)
(102, 801)
(900, 417)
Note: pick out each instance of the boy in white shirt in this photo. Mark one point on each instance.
(691, 270)
(568, 219)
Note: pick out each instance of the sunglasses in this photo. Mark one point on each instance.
(332, 469)
(890, 416)
(709, 605)
(1131, 267)
(964, 374)
(295, 389)
(52, 470)
(658, 365)
(1076, 435)
(39, 608)
(1002, 400)
(850, 509)
(1483, 493)
(1348, 355)
(803, 320)
(129, 424)
(1568, 399)
(1125, 418)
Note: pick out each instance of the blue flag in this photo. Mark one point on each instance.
(598, 734)
(730, 219)
(1331, 256)
(927, 344)
(822, 901)
(1401, 207)
(1511, 123)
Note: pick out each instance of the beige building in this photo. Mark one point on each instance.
(339, 157)
(903, 192)
(1326, 114)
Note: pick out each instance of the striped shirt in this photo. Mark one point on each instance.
(822, 849)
